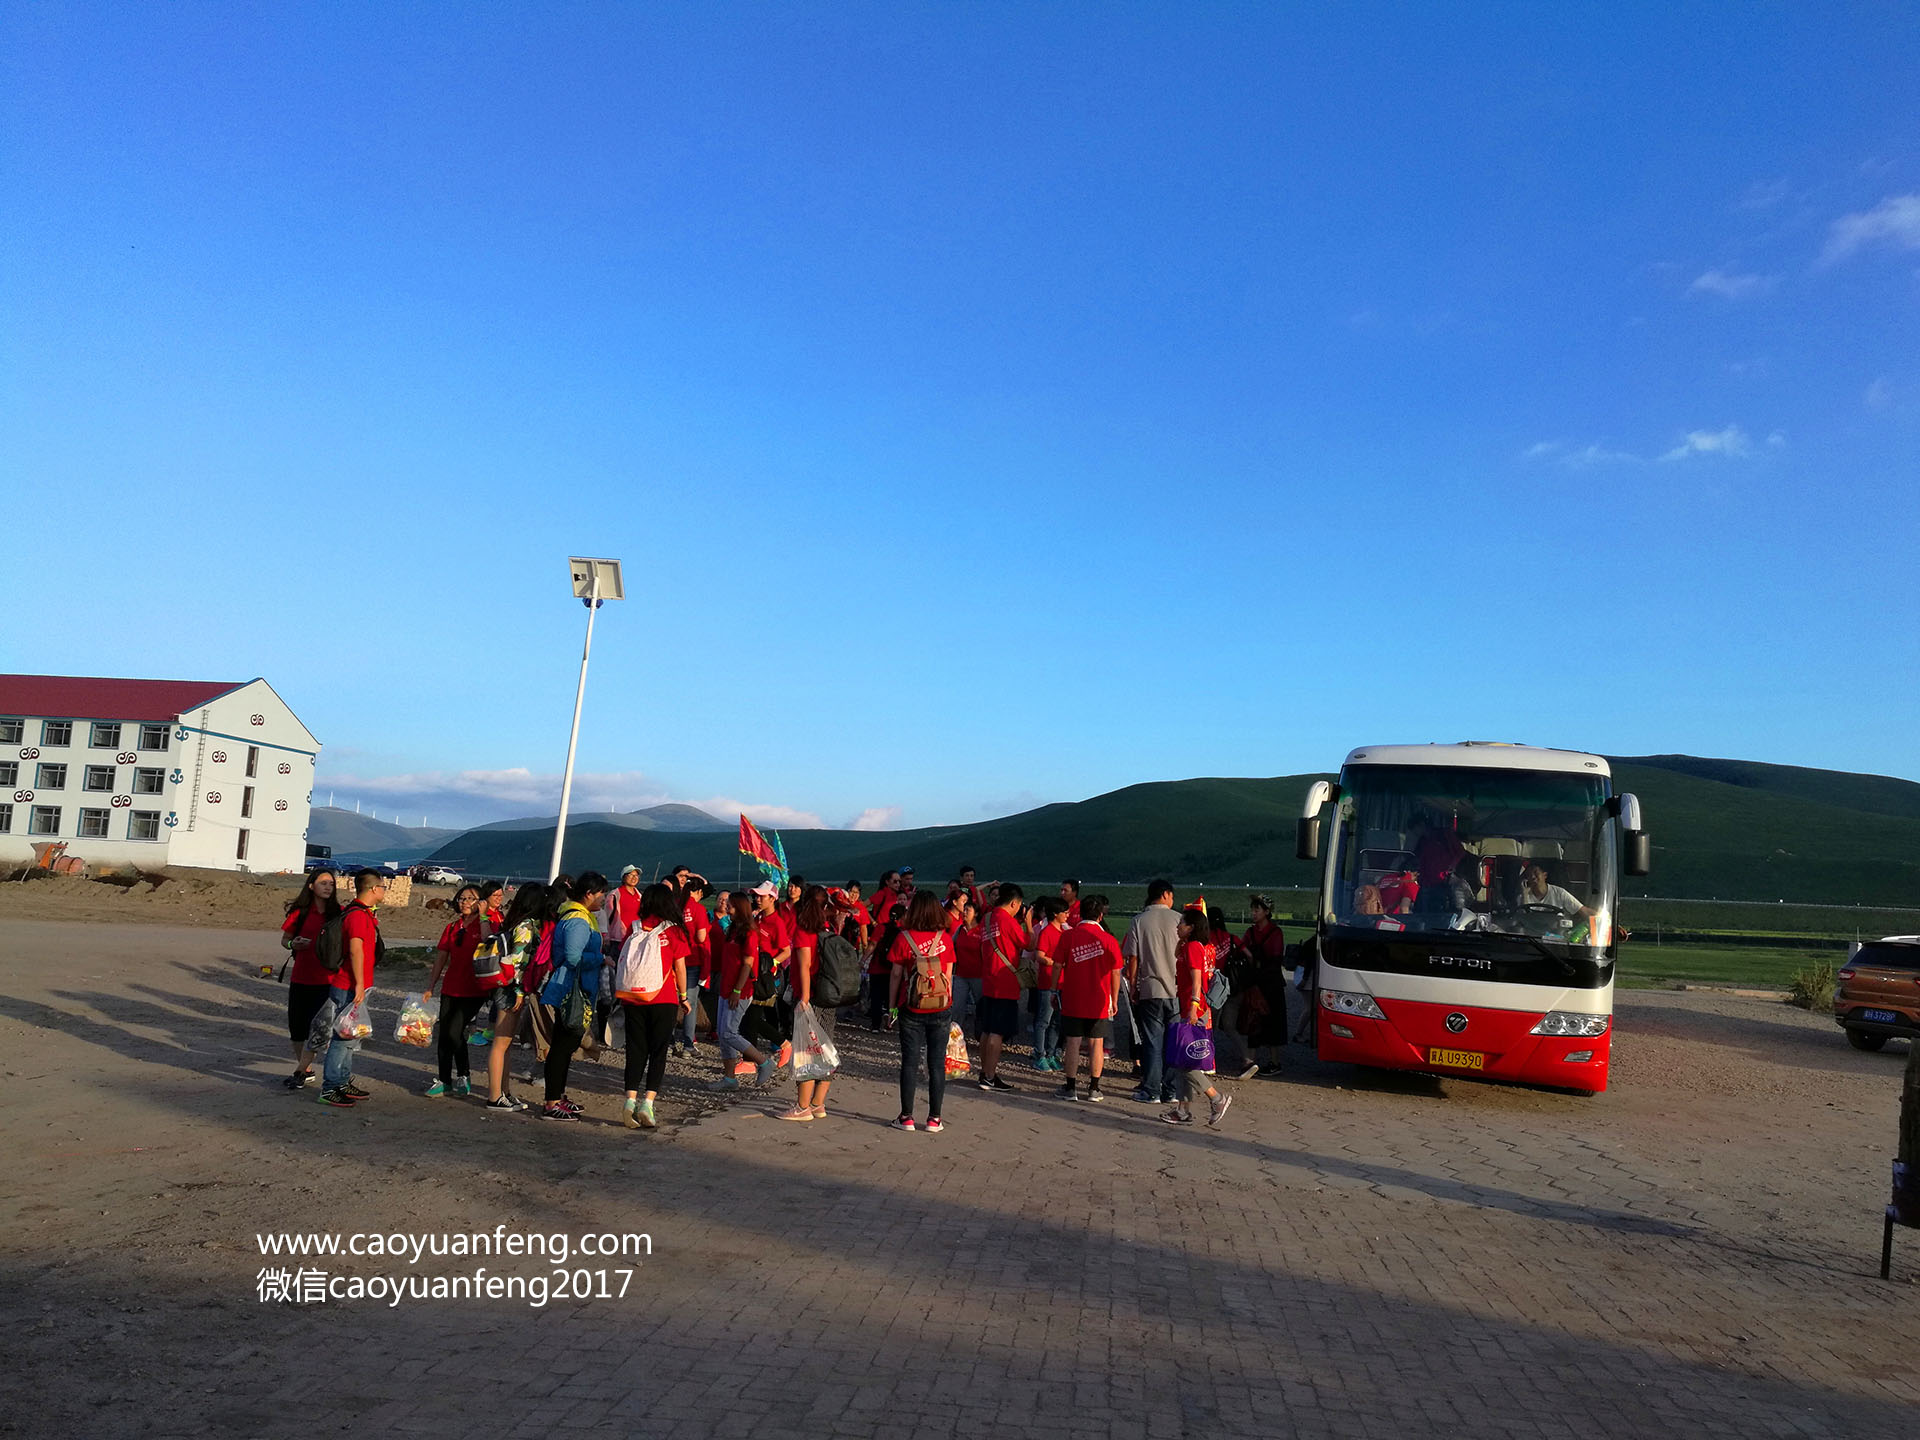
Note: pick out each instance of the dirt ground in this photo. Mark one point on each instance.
(1694, 1250)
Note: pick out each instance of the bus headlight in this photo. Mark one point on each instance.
(1572, 1022)
(1351, 1002)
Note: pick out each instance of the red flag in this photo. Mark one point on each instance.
(753, 843)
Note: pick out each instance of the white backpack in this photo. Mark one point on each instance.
(642, 972)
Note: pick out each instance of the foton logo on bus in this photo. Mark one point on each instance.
(1464, 962)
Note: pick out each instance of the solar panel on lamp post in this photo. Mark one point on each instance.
(594, 583)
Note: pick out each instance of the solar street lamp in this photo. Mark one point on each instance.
(594, 583)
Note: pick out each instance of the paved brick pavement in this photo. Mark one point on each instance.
(1693, 1251)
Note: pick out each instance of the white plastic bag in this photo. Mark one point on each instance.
(815, 1056)
(415, 1025)
(352, 1023)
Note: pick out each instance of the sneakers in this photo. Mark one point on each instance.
(645, 1111)
(1267, 1072)
(299, 1080)
(934, 1127)
(766, 1069)
(1217, 1109)
(354, 1092)
(995, 1084)
(796, 1113)
(508, 1103)
(435, 1090)
(338, 1099)
(567, 1105)
(725, 1082)
(1093, 1093)
(1248, 1073)
(1141, 1097)
(557, 1110)
(463, 1086)
(905, 1122)
(1067, 1092)
(1174, 1117)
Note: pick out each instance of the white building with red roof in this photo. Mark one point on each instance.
(217, 774)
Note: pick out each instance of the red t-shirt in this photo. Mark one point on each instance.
(1089, 959)
(675, 947)
(1046, 942)
(808, 941)
(1194, 969)
(911, 946)
(776, 932)
(699, 924)
(883, 904)
(458, 942)
(1002, 938)
(970, 960)
(739, 950)
(626, 904)
(359, 924)
(1398, 890)
(306, 964)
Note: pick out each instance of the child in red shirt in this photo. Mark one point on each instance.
(1194, 964)
(1089, 960)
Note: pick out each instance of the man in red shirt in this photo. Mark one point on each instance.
(1089, 959)
(968, 884)
(1070, 897)
(699, 927)
(1003, 938)
(351, 984)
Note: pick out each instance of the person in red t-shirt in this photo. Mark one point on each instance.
(922, 992)
(461, 995)
(736, 963)
(1003, 939)
(699, 927)
(971, 887)
(349, 987)
(1049, 926)
(307, 991)
(621, 908)
(651, 1010)
(969, 962)
(1193, 973)
(1070, 897)
(1089, 960)
(812, 919)
(1263, 1007)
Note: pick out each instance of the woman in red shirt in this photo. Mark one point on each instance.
(810, 921)
(652, 1010)
(461, 995)
(1193, 972)
(310, 985)
(737, 958)
(922, 994)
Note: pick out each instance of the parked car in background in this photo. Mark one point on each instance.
(439, 875)
(1876, 994)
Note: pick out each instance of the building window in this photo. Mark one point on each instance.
(240, 853)
(9, 774)
(253, 761)
(104, 735)
(97, 777)
(46, 820)
(49, 777)
(6, 819)
(149, 782)
(93, 824)
(144, 825)
(246, 804)
(56, 732)
(153, 737)
(12, 731)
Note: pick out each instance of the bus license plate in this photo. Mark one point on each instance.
(1458, 1059)
(1879, 1017)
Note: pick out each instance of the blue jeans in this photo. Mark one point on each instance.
(924, 1035)
(1154, 1017)
(1046, 1023)
(337, 1072)
(693, 1009)
(966, 1006)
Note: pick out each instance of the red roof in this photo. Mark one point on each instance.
(86, 697)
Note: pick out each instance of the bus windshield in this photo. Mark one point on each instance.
(1458, 848)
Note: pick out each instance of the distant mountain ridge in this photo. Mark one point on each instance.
(677, 818)
(350, 833)
(1722, 829)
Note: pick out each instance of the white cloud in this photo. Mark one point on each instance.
(1879, 394)
(1895, 221)
(876, 817)
(465, 797)
(1732, 442)
(1765, 194)
(1732, 286)
(781, 817)
(1578, 459)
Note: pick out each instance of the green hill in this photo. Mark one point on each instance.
(1732, 830)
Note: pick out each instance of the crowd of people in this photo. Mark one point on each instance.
(1176, 996)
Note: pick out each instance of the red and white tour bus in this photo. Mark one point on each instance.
(1467, 910)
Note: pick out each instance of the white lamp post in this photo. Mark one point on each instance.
(594, 581)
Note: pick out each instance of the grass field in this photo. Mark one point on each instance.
(1645, 965)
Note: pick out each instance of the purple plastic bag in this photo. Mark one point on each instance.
(1189, 1046)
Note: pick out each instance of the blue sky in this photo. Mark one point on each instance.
(991, 404)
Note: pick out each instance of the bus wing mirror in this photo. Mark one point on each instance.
(1306, 845)
(1639, 846)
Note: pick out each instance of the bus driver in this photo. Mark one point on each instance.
(1536, 893)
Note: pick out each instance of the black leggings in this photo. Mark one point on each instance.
(649, 1029)
(924, 1035)
(457, 1013)
(561, 1043)
(303, 1003)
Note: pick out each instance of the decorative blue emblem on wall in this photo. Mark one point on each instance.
(171, 820)
(181, 733)
(175, 778)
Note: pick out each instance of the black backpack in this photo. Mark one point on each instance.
(330, 949)
(837, 981)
